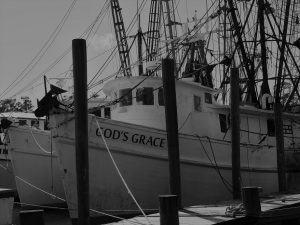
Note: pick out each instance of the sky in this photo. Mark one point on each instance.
(26, 25)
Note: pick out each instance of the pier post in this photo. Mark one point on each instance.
(251, 201)
(280, 147)
(81, 128)
(235, 132)
(29, 217)
(168, 74)
(168, 210)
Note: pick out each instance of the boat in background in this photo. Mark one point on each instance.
(16, 118)
(34, 164)
(7, 179)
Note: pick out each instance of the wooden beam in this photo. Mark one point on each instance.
(81, 129)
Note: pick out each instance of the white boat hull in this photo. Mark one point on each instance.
(7, 179)
(144, 166)
(38, 178)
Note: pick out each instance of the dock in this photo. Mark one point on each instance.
(274, 209)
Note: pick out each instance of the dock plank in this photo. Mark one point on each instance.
(214, 214)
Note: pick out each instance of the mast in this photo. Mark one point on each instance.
(278, 108)
(140, 47)
(121, 37)
(170, 25)
(251, 97)
(170, 29)
(265, 85)
(153, 30)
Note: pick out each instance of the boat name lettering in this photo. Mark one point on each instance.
(134, 138)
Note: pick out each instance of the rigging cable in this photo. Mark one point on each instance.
(67, 51)
(41, 52)
(119, 172)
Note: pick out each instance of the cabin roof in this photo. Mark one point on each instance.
(20, 115)
(154, 81)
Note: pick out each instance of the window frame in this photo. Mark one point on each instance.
(125, 96)
(197, 103)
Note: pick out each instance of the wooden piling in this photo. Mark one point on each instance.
(251, 201)
(29, 217)
(45, 84)
(235, 133)
(168, 210)
(280, 147)
(168, 74)
(81, 128)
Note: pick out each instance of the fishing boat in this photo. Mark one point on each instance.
(14, 119)
(34, 164)
(6, 173)
(128, 151)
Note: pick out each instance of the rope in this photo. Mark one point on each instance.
(40, 147)
(215, 164)
(41, 190)
(233, 211)
(116, 167)
(6, 168)
(40, 206)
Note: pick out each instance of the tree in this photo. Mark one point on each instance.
(12, 105)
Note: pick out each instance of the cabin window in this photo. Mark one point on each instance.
(287, 129)
(125, 97)
(22, 122)
(271, 127)
(197, 103)
(161, 96)
(97, 112)
(208, 98)
(107, 112)
(223, 123)
(35, 123)
(145, 95)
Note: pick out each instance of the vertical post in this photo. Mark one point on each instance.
(140, 46)
(47, 116)
(251, 201)
(235, 132)
(280, 147)
(28, 217)
(172, 126)
(278, 107)
(45, 84)
(81, 128)
(168, 210)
